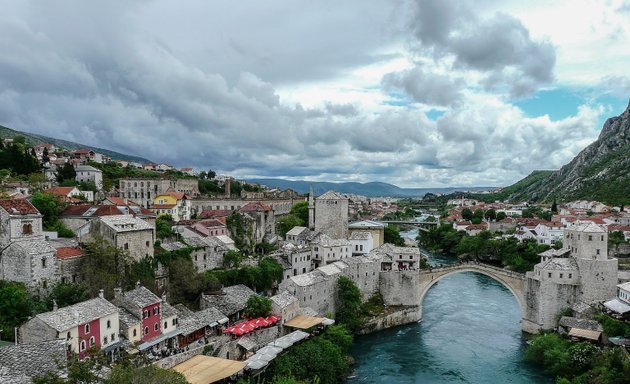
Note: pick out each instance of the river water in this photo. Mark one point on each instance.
(470, 333)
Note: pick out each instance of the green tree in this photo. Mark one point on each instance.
(490, 214)
(286, 223)
(554, 207)
(301, 211)
(66, 294)
(66, 172)
(151, 374)
(104, 267)
(501, 216)
(163, 229)
(392, 235)
(232, 258)
(15, 307)
(258, 306)
(348, 304)
(50, 206)
(467, 214)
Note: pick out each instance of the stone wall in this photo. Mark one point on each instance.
(544, 300)
(400, 316)
(400, 288)
(171, 361)
(598, 278)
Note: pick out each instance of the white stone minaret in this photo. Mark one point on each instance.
(311, 210)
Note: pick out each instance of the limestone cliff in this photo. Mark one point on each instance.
(600, 171)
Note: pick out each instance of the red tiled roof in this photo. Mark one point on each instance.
(216, 213)
(212, 223)
(117, 200)
(463, 223)
(60, 191)
(64, 253)
(18, 206)
(473, 227)
(256, 206)
(595, 220)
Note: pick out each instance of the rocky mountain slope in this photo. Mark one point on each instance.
(600, 171)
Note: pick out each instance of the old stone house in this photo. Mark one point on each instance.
(91, 323)
(25, 255)
(126, 232)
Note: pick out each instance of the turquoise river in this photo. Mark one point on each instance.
(470, 333)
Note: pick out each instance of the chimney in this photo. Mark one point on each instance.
(55, 306)
(164, 297)
(101, 293)
(138, 284)
(118, 293)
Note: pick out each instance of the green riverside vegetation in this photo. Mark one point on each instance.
(485, 246)
(578, 363)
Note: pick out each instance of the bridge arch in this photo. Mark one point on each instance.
(513, 281)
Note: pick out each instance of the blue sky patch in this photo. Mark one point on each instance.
(557, 103)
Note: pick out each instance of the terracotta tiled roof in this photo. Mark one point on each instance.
(64, 253)
(60, 191)
(163, 206)
(255, 207)
(216, 213)
(18, 206)
(117, 200)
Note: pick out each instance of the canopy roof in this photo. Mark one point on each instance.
(304, 322)
(203, 369)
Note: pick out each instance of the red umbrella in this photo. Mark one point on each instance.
(272, 319)
(261, 322)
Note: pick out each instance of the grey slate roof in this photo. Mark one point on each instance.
(360, 235)
(331, 195)
(233, 299)
(20, 363)
(33, 247)
(168, 310)
(172, 246)
(204, 318)
(137, 299)
(366, 224)
(127, 319)
(125, 223)
(80, 313)
(561, 264)
(572, 322)
(284, 299)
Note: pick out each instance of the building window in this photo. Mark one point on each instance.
(597, 251)
(174, 321)
(590, 238)
(146, 330)
(68, 336)
(87, 328)
(82, 347)
(570, 275)
(105, 340)
(27, 229)
(561, 275)
(155, 326)
(165, 324)
(549, 274)
(145, 314)
(126, 246)
(156, 310)
(113, 337)
(43, 262)
(109, 324)
(148, 243)
(92, 341)
(135, 333)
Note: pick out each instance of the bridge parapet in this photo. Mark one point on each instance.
(475, 265)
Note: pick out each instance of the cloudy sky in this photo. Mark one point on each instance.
(417, 93)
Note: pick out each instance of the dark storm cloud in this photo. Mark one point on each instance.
(500, 47)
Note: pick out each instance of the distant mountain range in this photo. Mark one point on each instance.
(34, 139)
(373, 189)
(600, 171)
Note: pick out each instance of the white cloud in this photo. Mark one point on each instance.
(300, 90)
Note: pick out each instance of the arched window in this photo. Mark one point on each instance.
(27, 229)
(146, 330)
(92, 341)
(82, 347)
(87, 328)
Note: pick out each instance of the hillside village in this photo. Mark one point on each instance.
(164, 231)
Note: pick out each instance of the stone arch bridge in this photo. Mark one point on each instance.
(408, 288)
(513, 281)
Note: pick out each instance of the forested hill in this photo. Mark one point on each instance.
(372, 189)
(34, 139)
(600, 172)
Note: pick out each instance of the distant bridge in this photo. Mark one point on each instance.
(422, 224)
